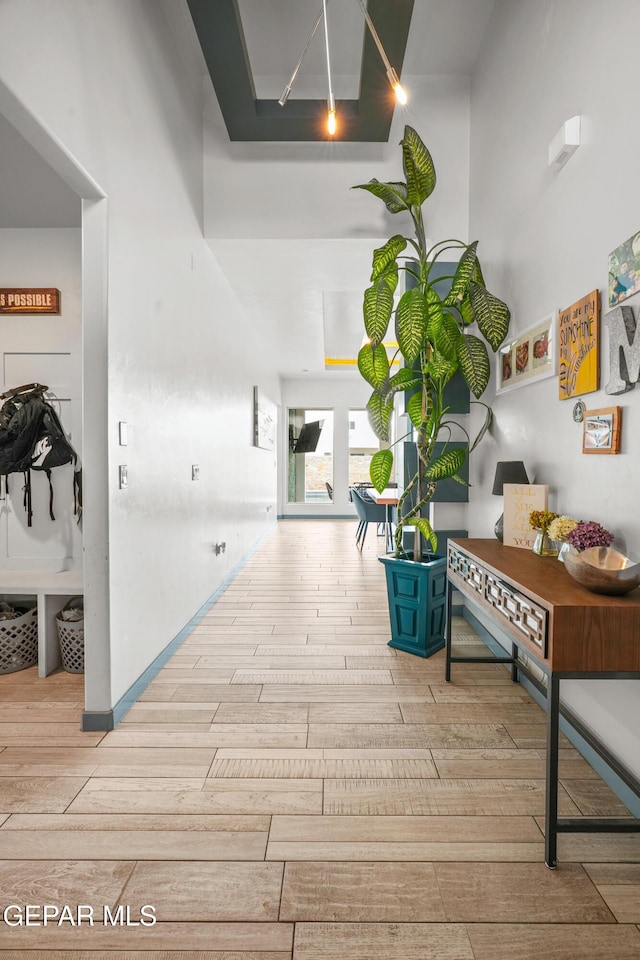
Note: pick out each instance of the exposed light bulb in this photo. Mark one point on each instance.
(331, 122)
(398, 89)
(401, 93)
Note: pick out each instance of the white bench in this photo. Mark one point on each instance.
(52, 591)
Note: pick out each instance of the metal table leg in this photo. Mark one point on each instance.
(551, 800)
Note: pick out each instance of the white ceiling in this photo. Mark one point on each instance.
(31, 193)
(307, 292)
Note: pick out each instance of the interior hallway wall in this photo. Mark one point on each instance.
(545, 237)
(119, 83)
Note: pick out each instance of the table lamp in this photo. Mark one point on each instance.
(507, 471)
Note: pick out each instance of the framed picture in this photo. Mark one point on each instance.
(264, 420)
(601, 430)
(529, 357)
(624, 270)
(579, 347)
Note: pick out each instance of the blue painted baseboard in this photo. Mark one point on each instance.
(104, 720)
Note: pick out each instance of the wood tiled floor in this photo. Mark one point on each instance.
(291, 788)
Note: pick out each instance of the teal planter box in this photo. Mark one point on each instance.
(417, 604)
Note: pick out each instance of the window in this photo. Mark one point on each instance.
(310, 476)
(363, 443)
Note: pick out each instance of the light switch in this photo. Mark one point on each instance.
(195, 471)
(123, 480)
(122, 433)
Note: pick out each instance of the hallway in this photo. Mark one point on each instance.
(289, 786)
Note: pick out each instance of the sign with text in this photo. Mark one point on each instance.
(29, 300)
(519, 500)
(578, 338)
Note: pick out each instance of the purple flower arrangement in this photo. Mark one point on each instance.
(589, 534)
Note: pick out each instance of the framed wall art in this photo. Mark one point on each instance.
(579, 347)
(624, 270)
(601, 430)
(264, 420)
(529, 357)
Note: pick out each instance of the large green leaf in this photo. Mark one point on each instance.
(466, 311)
(414, 409)
(488, 420)
(463, 275)
(373, 364)
(446, 465)
(383, 256)
(474, 363)
(411, 324)
(441, 369)
(445, 335)
(379, 412)
(418, 168)
(425, 529)
(380, 469)
(404, 379)
(394, 195)
(377, 308)
(492, 315)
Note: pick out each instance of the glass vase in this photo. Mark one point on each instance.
(544, 546)
(563, 547)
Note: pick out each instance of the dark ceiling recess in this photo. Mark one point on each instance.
(367, 119)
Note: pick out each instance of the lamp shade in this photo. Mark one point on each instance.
(508, 471)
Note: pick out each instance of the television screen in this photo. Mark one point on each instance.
(309, 436)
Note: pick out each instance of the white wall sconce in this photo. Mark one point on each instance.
(565, 143)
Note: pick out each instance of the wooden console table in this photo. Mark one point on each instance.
(567, 631)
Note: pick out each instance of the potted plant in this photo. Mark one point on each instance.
(435, 341)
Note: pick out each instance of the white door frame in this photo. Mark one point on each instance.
(94, 400)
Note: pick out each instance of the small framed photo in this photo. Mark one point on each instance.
(601, 430)
(528, 357)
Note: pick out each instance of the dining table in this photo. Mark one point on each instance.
(388, 497)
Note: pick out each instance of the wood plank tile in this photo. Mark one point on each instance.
(377, 892)
(622, 900)
(278, 713)
(444, 797)
(614, 874)
(470, 764)
(391, 941)
(504, 713)
(38, 794)
(221, 693)
(211, 936)
(132, 845)
(553, 941)
(43, 712)
(519, 893)
(218, 735)
(407, 735)
(208, 891)
(106, 761)
(66, 882)
(486, 693)
(355, 713)
(450, 850)
(313, 677)
(171, 713)
(335, 769)
(593, 798)
(87, 821)
(250, 796)
(407, 829)
(532, 736)
(346, 694)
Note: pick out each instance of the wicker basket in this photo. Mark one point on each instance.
(71, 637)
(19, 641)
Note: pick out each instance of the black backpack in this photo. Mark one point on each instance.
(32, 438)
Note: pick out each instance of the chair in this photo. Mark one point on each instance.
(368, 512)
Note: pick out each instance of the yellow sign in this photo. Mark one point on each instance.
(519, 500)
(578, 347)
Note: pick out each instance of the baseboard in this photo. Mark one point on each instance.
(105, 720)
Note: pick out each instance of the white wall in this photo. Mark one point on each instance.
(119, 84)
(544, 241)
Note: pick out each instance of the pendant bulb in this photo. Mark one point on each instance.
(398, 89)
(331, 122)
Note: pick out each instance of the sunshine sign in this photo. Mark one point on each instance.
(578, 342)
